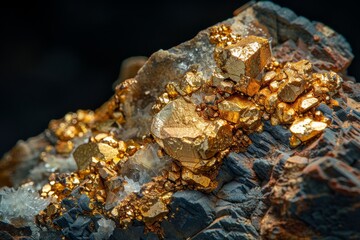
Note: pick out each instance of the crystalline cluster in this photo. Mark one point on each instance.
(19, 206)
(250, 130)
(105, 229)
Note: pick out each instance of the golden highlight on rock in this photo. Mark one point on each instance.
(193, 124)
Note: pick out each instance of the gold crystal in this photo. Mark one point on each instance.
(307, 128)
(285, 113)
(239, 110)
(185, 135)
(107, 151)
(307, 103)
(156, 210)
(245, 58)
(64, 146)
(84, 154)
(198, 179)
(290, 90)
(173, 176)
(268, 77)
(191, 82)
(249, 86)
(46, 188)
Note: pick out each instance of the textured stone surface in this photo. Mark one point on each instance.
(269, 191)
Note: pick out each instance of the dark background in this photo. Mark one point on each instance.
(61, 55)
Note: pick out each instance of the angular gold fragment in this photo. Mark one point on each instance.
(289, 91)
(109, 152)
(153, 212)
(173, 176)
(327, 82)
(262, 95)
(191, 82)
(268, 77)
(285, 113)
(270, 102)
(302, 67)
(85, 152)
(246, 58)
(249, 86)
(201, 180)
(239, 110)
(46, 188)
(306, 128)
(306, 104)
(294, 141)
(186, 136)
(275, 85)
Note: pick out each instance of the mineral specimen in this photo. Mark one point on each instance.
(250, 130)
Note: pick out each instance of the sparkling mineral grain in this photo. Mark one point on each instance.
(290, 90)
(85, 153)
(206, 129)
(247, 57)
(307, 128)
(186, 136)
(240, 110)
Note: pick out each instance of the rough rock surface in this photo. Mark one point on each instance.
(269, 191)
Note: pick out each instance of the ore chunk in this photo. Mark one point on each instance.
(323, 198)
(237, 109)
(84, 153)
(186, 136)
(246, 58)
(306, 128)
(291, 90)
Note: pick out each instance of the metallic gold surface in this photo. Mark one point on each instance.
(245, 58)
(195, 122)
(186, 136)
(239, 110)
(306, 128)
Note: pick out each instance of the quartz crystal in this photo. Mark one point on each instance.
(19, 206)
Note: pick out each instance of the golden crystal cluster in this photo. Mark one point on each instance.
(195, 122)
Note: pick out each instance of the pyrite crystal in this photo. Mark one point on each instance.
(250, 130)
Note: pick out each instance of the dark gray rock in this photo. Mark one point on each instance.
(68, 203)
(278, 132)
(326, 143)
(189, 207)
(64, 220)
(133, 232)
(350, 153)
(279, 166)
(342, 115)
(84, 202)
(233, 192)
(263, 169)
(331, 192)
(228, 227)
(325, 109)
(78, 228)
(236, 163)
